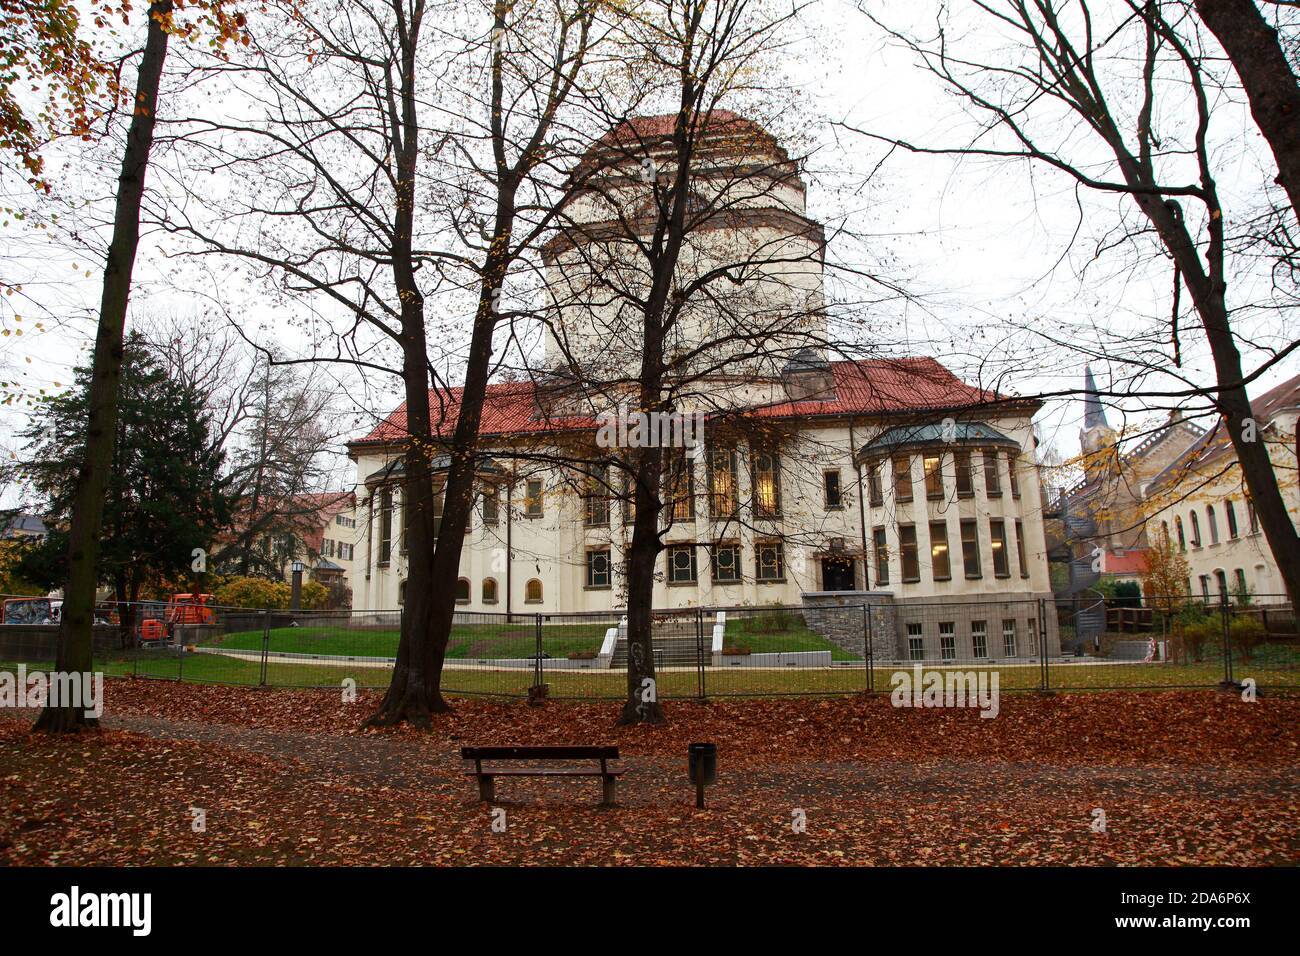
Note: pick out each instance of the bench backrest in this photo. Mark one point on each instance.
(539, 753)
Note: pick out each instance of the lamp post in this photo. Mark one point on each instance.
(295, 594)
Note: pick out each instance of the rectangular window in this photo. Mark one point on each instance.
(346, 551)
(491, 505)
(998, 539)
(965, 484)
(1013, 462)
(907, 552)
(595, 500)
(875, 488)
(882, 556)
(682, 488)
(385, 525)
(1009, 637)
(947, 640)
(992, 477)
(1020, 548)
(1251, 516)
(903, 478)
(722, 483)
(681, 564)
(933, 477)
(970, 547)
(533, 498)
(940, 561)
(724, 562)
(598, 571)
(915, 643)
(979, 639)
(769, 560)
(831, 488)
(1031, 628)
(766, 473)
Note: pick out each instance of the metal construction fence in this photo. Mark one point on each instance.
(701, 652)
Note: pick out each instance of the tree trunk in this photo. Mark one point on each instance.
(642, 705)
(1271, 87)
(75, 651)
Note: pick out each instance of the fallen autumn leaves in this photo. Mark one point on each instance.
(287, 777)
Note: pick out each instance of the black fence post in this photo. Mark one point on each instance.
(868, 648)
(266, 645)
(1228, 683)
(1044, 667)
(699, 653)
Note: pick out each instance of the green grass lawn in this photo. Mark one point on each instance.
(775, 631)
(467, 641)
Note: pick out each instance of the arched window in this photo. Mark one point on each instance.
(401, 592)
(533, 592)
(1164, 530)
(1214, 524)
(1231, 512)
(462, 590)
(489, 590)
(1221, 578)
(1196, 531)
(1182, 538)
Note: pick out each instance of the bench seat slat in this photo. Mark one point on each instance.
(524, 772)
(539, 753)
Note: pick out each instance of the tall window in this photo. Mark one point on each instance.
(491, 505)
(1009, 636)
(724, 563)
(1213, 521)
(1231, 513)
(598, 571)
(970, 547)
(882, 555)
(1182, 538)
(385, 525)
(965, 484)
(682, 487)
(1252, 518)
(939, 558)
(533, 498)
(681, 564)
(874, 487)
(1013, 472)
(769, 560)
(533, 592)
(907, 553)
(462, 590)
(831, 488)
(992, 477)
(979, 638)
(595, 499)
(722, 483)
(489, 590)
(903, 478)
(1020, 548)
(998, 539)
(767, 484)
(1241, 582)
(947, 640)
(1196, 531)
(933, 477)
(915, 642)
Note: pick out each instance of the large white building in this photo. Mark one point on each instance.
(887, 476)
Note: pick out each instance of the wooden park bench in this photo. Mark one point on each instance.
(487, 778)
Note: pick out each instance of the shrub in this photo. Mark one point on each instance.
(254, 592)
(1197, 635)
(1245, 633)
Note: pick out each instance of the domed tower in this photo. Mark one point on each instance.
(748, 284)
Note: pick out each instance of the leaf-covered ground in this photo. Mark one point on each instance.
(287, 777)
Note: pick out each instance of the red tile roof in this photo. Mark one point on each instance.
(872, 386)
(1133, 561)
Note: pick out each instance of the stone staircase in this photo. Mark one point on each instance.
(674, 643)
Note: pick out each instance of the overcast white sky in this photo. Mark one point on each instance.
(982, 243)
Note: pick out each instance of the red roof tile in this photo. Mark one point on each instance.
(873, 386)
